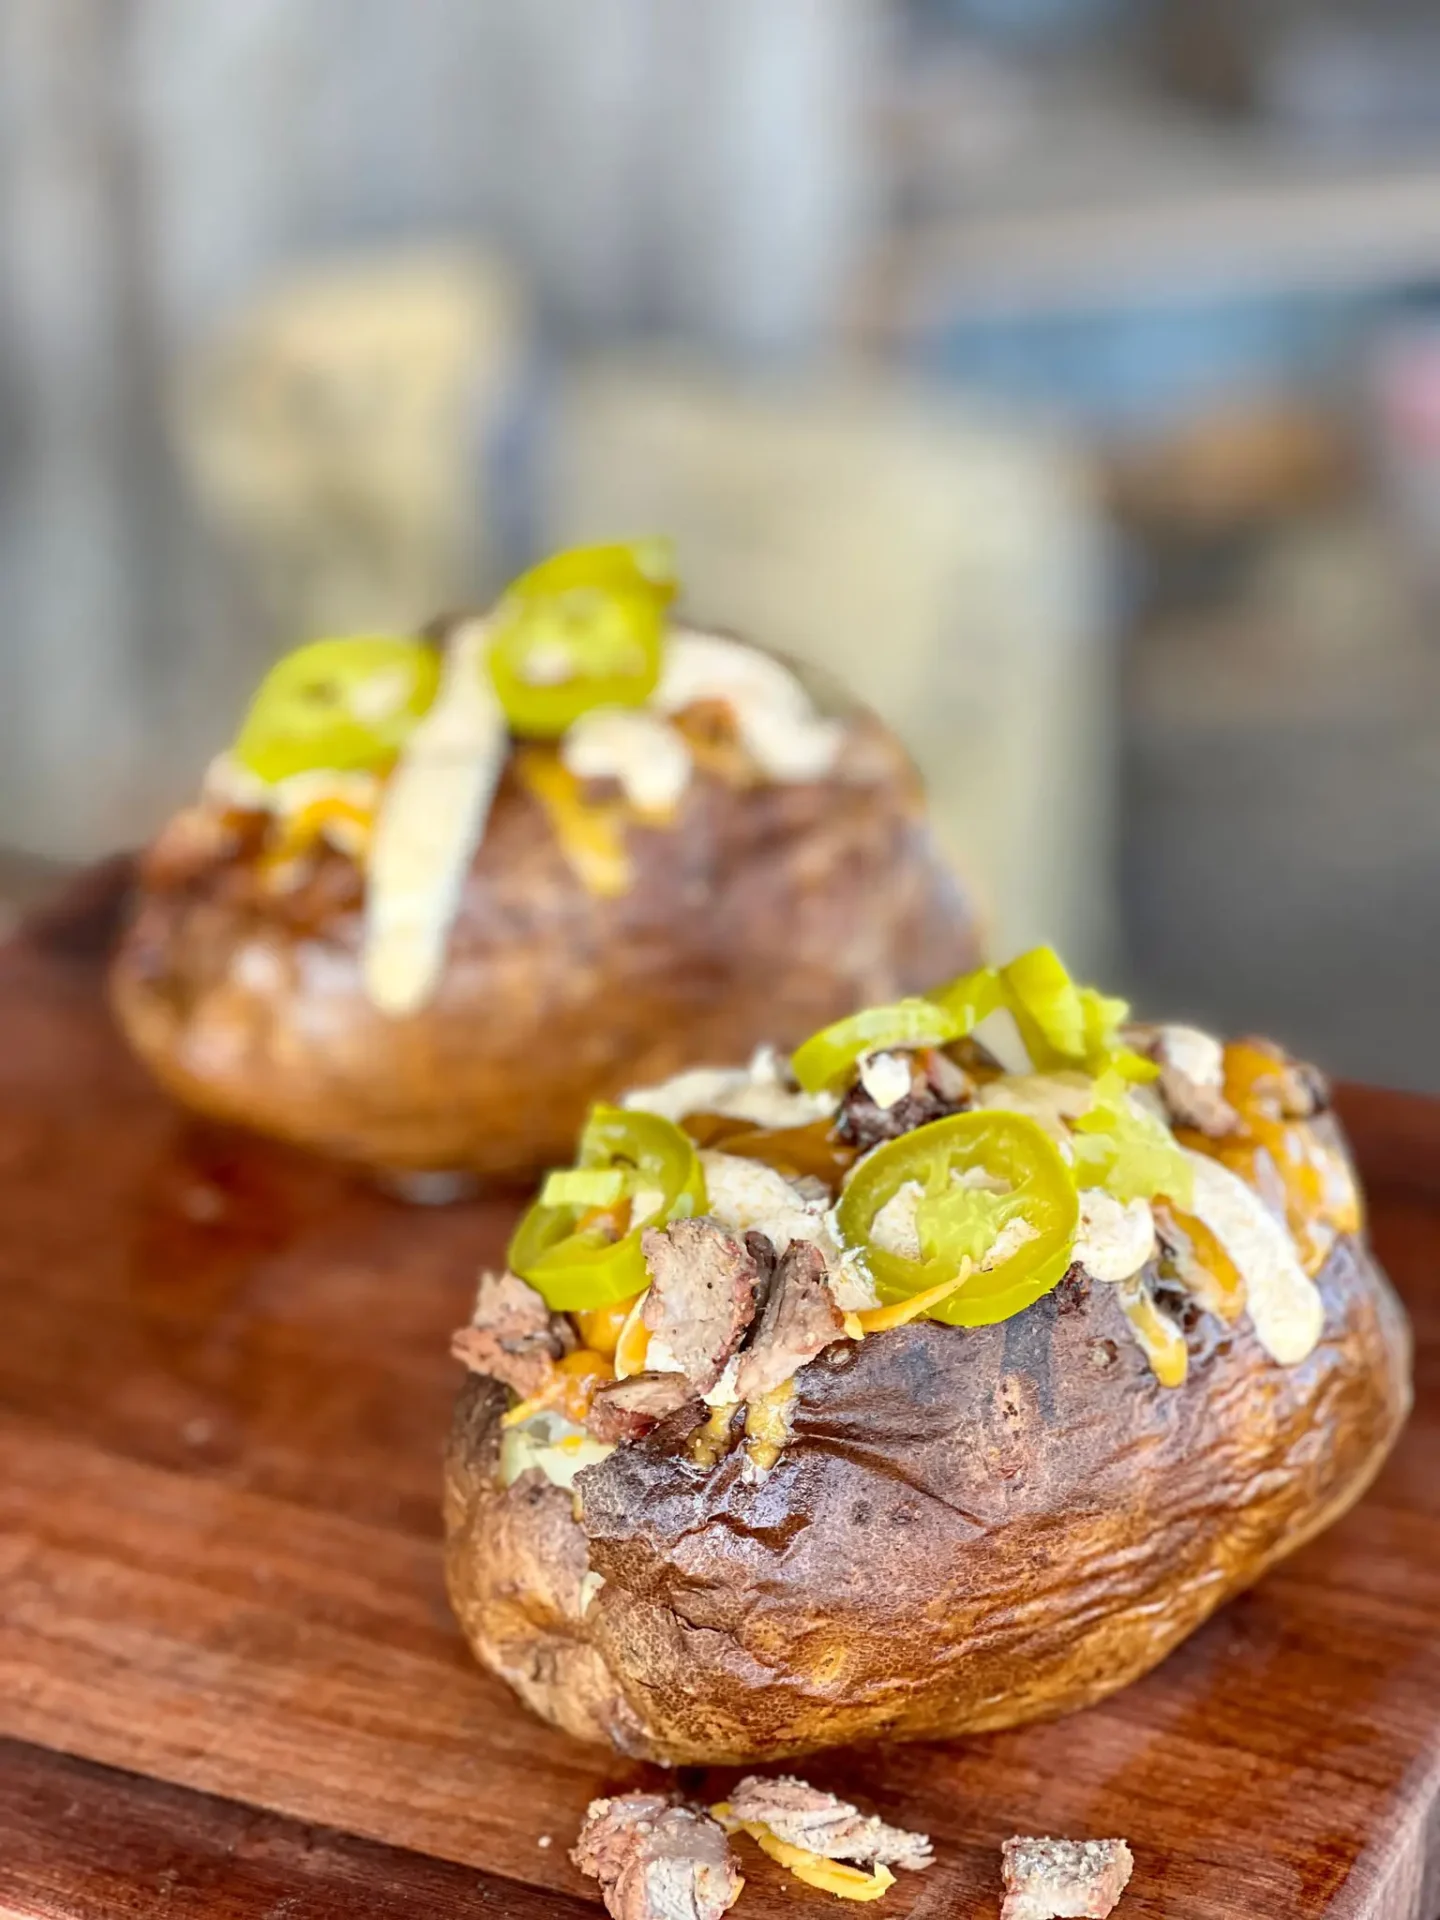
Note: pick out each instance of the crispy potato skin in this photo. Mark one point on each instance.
(760, 913)
(969, 1529)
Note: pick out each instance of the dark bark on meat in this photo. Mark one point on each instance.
(803, 1816)
(800, 1320)
(655, 1860)
(513, 1336)
(703, 1287)
(629, 1409)
(1063, 1879)
(762, 1251)
(937, 1088)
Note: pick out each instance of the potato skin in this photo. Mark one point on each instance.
(760, 913)
(969, 1529)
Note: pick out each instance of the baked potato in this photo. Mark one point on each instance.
(950, 1395)
(573, 851)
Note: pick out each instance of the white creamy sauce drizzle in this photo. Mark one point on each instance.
(1282, 1300)
(759, 1093)
(635, 747)
(774, 715)
(1199, 1056)
(431, 819)
(1116, 1238)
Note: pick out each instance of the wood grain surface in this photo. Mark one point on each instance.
(223, 1392)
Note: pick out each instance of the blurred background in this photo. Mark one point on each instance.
(1066, 373)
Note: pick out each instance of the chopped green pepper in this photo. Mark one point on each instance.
(577, 1267)
(1130, 1154)
(342, 704)
(1023, 1179)
(583, 629)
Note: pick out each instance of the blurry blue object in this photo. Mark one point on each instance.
(1147, 364)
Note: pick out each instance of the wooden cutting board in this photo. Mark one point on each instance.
(229, 1682)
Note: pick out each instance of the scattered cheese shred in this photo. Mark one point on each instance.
(830, 1876)
(633, 1346)
(590, 833)
(901, 1312)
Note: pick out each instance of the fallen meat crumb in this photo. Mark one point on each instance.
(937, 1087)
(1063, 1879)
(803, 1816)
(703, 1287)
(656, 1860)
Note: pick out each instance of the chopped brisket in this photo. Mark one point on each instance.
(703, 1287)
(513, 1336)
(629, 1409)
(1190, 1103)
(655, 1860)
(800, 1319)
(937, 1088)
(803, 1816)
(1063, 1879)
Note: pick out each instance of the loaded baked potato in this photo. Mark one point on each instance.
(446, 891)
(942, 1377)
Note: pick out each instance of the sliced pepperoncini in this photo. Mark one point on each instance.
(825, 1059)
(583, 629)
(971, 998)
(1064, 1025)
(1027, 1193)
(344, 704)
(577, 1262)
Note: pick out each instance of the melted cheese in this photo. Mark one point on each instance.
(1159, 1339)
(814, 1869)
(552, 1445)
(767, 1427)
(590, 833)
(431, 820)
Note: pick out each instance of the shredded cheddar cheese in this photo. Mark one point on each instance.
(830, 1876)
(1159, 1339)
(633, 1345)
(589, 832)
(901, 1312)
